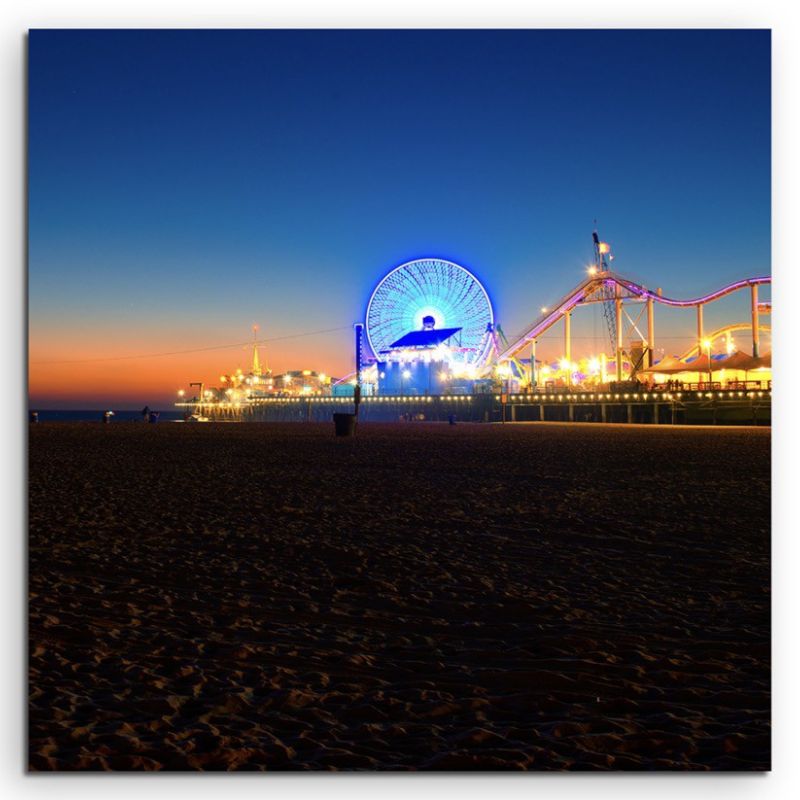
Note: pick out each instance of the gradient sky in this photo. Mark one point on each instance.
(184, 185)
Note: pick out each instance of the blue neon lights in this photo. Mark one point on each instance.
(448, 292)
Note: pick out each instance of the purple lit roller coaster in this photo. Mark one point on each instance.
(604, 286)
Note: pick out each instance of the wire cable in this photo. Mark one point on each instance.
(195, 349)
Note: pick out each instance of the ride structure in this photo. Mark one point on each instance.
(617, 294)
(426, 324)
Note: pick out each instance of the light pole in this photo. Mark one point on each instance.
(358, 327)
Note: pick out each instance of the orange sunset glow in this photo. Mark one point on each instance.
(75, 370)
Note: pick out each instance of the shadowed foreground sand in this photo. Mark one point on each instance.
(421, 597)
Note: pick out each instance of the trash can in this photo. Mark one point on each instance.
(345, 424)
(451, 418)
(34, 416)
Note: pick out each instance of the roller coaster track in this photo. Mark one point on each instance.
(644, 293)
(591, 291)
(737, 326)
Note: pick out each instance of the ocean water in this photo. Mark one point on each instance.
(96, 415)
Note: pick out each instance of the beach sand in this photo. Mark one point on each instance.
(266, 596)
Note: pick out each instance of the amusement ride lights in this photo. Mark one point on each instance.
(430, 287)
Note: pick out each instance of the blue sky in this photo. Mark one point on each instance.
(185, 184)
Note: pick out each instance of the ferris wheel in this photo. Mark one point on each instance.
(430, 287)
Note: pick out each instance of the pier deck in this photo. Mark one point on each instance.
(718, 407)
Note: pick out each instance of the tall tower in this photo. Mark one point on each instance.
(256, 368)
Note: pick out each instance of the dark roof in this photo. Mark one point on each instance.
(429, 338)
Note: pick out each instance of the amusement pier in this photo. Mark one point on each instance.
(430, 349)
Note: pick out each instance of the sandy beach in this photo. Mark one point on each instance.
(518, 597)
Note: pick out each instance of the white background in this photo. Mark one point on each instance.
(17, 17)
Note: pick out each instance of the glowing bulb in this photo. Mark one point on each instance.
(406, 373)
(564, 364)
(181, 393)
(592, 270)
(707, 343)
(544, 309)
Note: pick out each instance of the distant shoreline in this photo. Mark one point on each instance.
(96, 415)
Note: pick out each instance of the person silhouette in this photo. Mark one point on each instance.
(145, 413)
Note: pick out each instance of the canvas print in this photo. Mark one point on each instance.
(399, 400)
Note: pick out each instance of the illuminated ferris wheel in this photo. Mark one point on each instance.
(430, 287)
